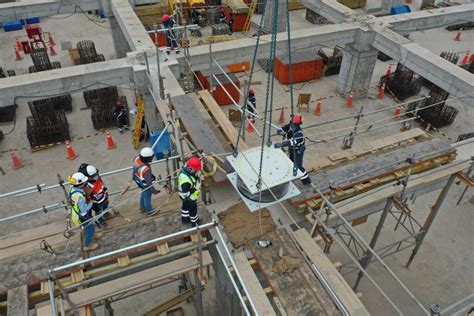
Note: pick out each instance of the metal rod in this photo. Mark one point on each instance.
(456, 304)
(236, 270)
(356, 262)
(146, 62)
(41, 209)
(335, 298)
(210, 66)
(55, 186)
(51, 297)
(160, 79)
(237, 291)
(142, 244)
(430, 219)
(364, 262)
(361, 240)
(22, 190)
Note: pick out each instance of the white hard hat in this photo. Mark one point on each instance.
(91, 170)
(77, 179)
(146, 152)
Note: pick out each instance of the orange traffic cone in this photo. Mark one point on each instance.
(282, 116)
(51, 40)
(317, 109)
(458, 35)
(17, 164)
(53, 51)
(18, 45)
(349, 100)
(396, 113)
(250, 128)
(71, 155)
(471, 60)
(389, 71)
(465, 59)
(17, 54)
(110, 142)
(382, 92)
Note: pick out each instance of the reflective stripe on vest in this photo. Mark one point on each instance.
(98, 191)
(139, 169)
(75, 211)
(184, 178)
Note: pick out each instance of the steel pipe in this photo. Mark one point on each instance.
(22, 190)
(142, 244)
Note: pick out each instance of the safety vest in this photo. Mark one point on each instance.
(99, 191)
(139, 170)
(74, 196)
(184, 178)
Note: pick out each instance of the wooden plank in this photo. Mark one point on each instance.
(18, 301)
(343, 291)
(23, 236)
(137, 280)
(226, 126)
(377, 145)
(299, 291)
(33, 245)
(260, 299)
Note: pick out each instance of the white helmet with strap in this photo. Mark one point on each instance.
(77, 179)
(91, 170)
(147, 152)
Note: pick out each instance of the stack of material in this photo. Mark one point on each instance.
(237, 6)
(220, 29)
(41, 61)
(332, 64)
(87, 53)
(305, 67)
(315, 18)
(438, 113)
(7, 113)
(46, 125)
(102, 102)
(150, 14)
(403, 83)
(457, 27)
(218, 92)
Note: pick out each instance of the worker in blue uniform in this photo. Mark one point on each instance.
(171, 42)
(295, 141)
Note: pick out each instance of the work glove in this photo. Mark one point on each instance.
(278, 145)
(280, 132)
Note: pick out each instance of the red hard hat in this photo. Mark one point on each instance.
(165, 17)
(222, 10)
(119, 103)
(251, 91)
(194, 163)
(297, 119)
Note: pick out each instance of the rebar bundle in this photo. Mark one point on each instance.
(48, 123)
(7, 113)
(87, 53)
(457, 27)
(434, 110)
(41, 61)
(403, 83)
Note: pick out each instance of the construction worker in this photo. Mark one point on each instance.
(189, 185)
(80, 209)
(168, 24)
(98, 192)
(231, 23)
(296, 143)
(251, 103)
(120, 113)
(222, 17)
(144, 178)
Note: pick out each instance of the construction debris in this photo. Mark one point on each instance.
(286, 264)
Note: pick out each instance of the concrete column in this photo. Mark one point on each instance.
(267, 22)
(356, 70)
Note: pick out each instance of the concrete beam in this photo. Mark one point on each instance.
(131, 27)
(43, 8)
(243, 49)
(428, 19)
(437, 70)
(36, 86)
(330, 9)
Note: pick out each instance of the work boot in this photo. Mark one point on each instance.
(184, 220)
(153, 212)
(177, 52)
(196, 223)
(92, 246)
(98, 234)
(306, 181)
